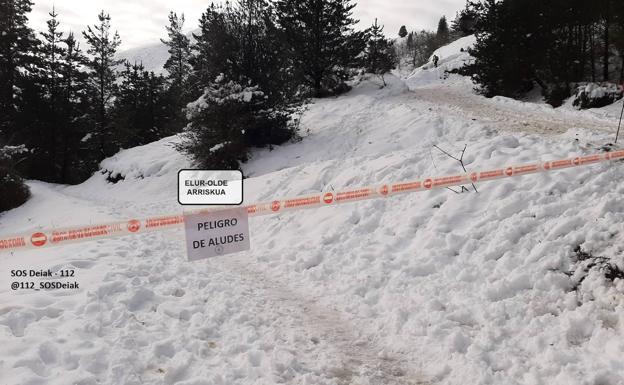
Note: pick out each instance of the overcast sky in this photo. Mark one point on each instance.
(142, 22)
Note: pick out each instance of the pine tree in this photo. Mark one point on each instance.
(52, 51)
(402, 31)
(380, 56)
(17, 45)
(322, 41)
(140, 112)
(20, 95)
(465, 21)
(46, 151)
(215, 46)
(246, 82)
(12, 188)
(102, 48)
(177, 66)
(443, 34)
(77, 161)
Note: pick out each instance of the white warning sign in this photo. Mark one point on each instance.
(216, 233)
(210, 187)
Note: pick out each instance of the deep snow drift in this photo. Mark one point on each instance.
(435, 287)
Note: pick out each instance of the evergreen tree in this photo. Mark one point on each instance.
(443, 34)
(77, 161)
(20, 96)
(322, 41)
(52, 51)
(13, 191)
(140, 112)
(215, 47)
(245, 77)
(380, 56)
(102, 48)
(46, 150)
(402, 31)
(17, 44)
(178, 68)
(465, 21)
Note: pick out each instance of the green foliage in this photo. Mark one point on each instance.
(12, 188)
(178, 68)
(250, 101)
(320, 36)
(102, 48)
(227, 120)
(17, 42)
(521, 43)
(380, 57)
(141, 109)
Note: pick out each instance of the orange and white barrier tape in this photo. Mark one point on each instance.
(48, 238)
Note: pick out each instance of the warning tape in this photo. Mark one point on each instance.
(48, 238)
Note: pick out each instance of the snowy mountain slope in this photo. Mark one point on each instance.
(153, 56)
(429, 288)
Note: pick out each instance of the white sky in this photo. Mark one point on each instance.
(143, 22)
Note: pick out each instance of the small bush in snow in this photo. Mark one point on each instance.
(380, 55)
(592, 95)
(227, 120)
(13, 191)
(587, 264)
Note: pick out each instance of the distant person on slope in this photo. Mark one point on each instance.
(435, 60)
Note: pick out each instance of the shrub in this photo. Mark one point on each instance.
(227, 120)
(13, 191)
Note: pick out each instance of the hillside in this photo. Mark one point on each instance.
(494, 287)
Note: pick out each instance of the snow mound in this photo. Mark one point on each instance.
(593, 95)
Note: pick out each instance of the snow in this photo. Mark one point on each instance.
(152, 56)
(435, 287)
(451, 57)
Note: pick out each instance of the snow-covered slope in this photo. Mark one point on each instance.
(451, 57)
(436, 287)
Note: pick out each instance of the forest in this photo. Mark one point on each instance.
(555, 45)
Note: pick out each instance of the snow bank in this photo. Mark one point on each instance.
(593, 95)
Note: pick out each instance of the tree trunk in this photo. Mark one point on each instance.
(605, 64)
(592, 50)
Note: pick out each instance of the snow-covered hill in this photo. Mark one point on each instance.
(494, 287)
(153, 56)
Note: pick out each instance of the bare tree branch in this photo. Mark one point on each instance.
(461, 162)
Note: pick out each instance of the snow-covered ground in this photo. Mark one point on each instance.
(428, 288)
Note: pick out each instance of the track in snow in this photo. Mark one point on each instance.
(359, 358)
(511, 116)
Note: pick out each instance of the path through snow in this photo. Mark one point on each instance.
(508, 115)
